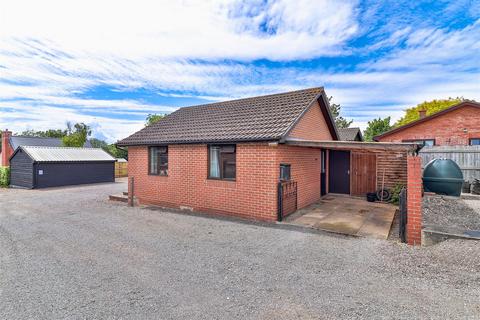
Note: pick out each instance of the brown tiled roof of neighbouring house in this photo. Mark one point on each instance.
(466, 103)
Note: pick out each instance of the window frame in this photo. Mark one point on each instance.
(286, 165)
(221, 161)
(420, 140)
(150, 164)
(470, 141)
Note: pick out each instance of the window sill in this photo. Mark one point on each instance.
(158, 175)
(219, 179)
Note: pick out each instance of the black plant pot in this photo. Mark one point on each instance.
(371, 197)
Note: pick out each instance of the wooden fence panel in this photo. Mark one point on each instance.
(121, 169)
(467, 158)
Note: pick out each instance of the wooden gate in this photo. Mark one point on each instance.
(364, 173)
(403, 215)
(287, 198)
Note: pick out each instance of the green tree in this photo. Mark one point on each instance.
(340, 121)
(434, 106)
(110, 148)
(50, 133)
(376, 127)
(152, 118)
(97, 143)
(77, 136)
(117, 152)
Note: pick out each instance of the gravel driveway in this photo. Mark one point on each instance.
(70, 254)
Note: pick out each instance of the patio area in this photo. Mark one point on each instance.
(347, 215)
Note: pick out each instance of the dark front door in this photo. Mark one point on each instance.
(323, 172)
(339, 172)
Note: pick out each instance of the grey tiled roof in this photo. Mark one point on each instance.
(252, 119)
(349, 134)
(17, 141)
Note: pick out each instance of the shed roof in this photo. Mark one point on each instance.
(62, 154)
(17, 141)
(263, 118)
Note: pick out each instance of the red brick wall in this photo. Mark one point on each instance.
(312, 125)
(414, 200)
(7, 150)
(453, 128)
(252, 195)
(305, 169)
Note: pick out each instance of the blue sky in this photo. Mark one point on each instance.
(110, 63)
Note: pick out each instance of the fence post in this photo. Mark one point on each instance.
(414, 200)
(130, 192)
(279, 202)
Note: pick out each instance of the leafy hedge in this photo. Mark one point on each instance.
(396, 194)
(4, 176)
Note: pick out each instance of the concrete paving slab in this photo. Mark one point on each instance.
(347, 215)
(377, 224)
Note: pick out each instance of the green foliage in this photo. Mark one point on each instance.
(97, 143)
(376, 127)
(50, 133)
(116, 152)
(4, 176)
(396, 194)
(434, 106)
(77, 135)
(152, 118)
(340, 121)
(75, 140)
(110, 148)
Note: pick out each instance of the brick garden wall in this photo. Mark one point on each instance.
(453, 128)
(414, 200)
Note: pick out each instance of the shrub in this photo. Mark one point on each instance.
(396, 194)
(4, 176)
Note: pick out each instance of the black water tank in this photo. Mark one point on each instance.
(443, 176)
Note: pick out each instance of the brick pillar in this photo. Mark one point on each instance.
(414, 200)
(7, 150)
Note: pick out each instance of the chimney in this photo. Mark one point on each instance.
(422, 113)
(7, 149)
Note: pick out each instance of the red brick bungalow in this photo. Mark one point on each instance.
(457, 125)
(229, 157)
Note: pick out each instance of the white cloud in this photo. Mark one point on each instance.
(225, 29)
(52, 51)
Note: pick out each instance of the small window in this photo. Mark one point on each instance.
(284, 172)
(475, 142)
(429, 143)
(423, 142)
(158, 161)
(222, 162)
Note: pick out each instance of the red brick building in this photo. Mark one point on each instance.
(457, 125)
(229, 157)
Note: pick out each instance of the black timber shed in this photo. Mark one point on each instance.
(42, 167)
